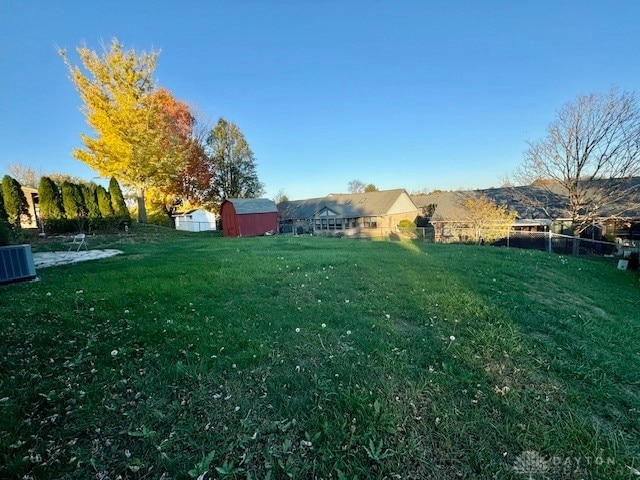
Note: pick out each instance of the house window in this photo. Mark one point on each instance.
(370, 222)
(338, 224)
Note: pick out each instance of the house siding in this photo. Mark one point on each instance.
(404, 206)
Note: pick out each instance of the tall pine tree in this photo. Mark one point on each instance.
(104, 202)
(15, 202)
(3, 213)
(50, 200)
(117, 200)
(91, 200)
(5, 231)
(74, 205)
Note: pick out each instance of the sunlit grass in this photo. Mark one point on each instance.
(319, 358)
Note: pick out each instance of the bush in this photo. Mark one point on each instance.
(160, 218)
(61, 226)
(57, 226)
(5, 233)
(407, 228)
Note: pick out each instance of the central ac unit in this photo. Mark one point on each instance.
(16, 264)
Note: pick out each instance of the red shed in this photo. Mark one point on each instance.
(248, 217)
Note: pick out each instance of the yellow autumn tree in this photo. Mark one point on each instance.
(130, 139)
(488, 220)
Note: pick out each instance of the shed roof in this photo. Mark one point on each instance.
(182, 214)
(191, 211)
(252, 205)
(346, 205)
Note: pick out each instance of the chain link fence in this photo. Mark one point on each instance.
(543, 241)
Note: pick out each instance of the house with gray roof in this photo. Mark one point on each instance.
(368, 214)
(537, 209)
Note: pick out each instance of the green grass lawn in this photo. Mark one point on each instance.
(282, 357)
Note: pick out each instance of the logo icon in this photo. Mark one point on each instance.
(530, 464)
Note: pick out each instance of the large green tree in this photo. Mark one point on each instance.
(234, 163)
(129, 124)
(15, 202)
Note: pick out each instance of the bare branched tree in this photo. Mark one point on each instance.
(356, 186)
(280, 197)
(26, 175)
(588, 157)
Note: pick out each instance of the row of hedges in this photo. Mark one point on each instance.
(90, 225)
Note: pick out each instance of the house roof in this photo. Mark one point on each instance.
(252, 205)
(533, 202)
(351, 205)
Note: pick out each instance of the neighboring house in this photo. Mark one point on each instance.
(196, 220)
(446, 212)
(248, 217)
(31, 221)
(357, 214)
(617, 219)
(537, 210)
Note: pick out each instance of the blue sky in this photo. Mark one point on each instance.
(402, 94)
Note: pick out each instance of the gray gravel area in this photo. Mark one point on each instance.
(51, 259)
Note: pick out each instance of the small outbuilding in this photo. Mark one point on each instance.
(197, 220)
(248, 217)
